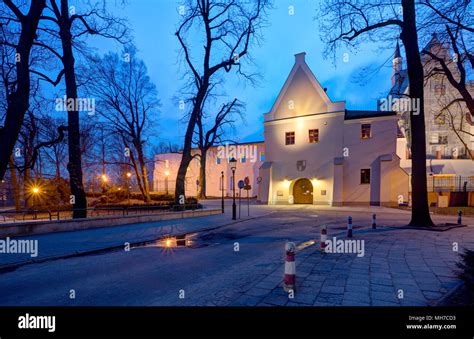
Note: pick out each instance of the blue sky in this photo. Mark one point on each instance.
(153, 23)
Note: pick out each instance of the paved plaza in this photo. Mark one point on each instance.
(241, 263)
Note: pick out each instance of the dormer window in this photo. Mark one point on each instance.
(366, 131)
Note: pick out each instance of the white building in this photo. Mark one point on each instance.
(319, 152)
(315, 152)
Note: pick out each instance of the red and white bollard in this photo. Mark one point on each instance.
(374, 221)
(349, 227)
(324, 236)
(289, 282)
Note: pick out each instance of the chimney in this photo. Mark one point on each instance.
(300, 57)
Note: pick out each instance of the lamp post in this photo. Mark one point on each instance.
(104, 182)
(129, 176)
(233, 167)
(35, 191)
(222, 188)
(167, 174)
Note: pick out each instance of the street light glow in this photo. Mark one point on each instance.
(129, 174)
(104, 178)
(35, 190)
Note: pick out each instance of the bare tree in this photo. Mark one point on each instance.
(127, 99)
(23, 29)
(452, 21)
(71, 27)
(351, 22)
(228, 29)
(205, 139)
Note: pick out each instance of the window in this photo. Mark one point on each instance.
(262, 156)
(365, 131)
(365, 176)
(313, 136)
(243, 159)
(218, 161)
(443, 139)
(434, 138)
(290, 138)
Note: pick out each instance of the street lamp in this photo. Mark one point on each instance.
(222, 188)
(35, 191)
(167, 174)
(233, 167)
(129, 176)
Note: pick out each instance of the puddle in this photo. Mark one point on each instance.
(185, 240)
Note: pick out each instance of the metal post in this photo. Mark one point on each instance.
(248, 204)
(222, 188)
(234, 207)
(240, 200)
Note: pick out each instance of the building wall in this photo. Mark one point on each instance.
(168, 163)
(364, 154)
(332, 164)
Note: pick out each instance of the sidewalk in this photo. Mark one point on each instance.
(401, 267)
(75, 243)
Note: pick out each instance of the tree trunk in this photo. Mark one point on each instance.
(144, 175)
(188, 140)
(420, 209)
(202, 175)
(74, 165)
(18, 101)
(15, 185)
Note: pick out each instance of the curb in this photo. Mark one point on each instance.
(14, 266)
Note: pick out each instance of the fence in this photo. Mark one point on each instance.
(450, 184)
(31, 215)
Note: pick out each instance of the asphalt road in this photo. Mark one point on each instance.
(155, 275)
(208, 272)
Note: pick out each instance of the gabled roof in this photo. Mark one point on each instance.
(300, 64)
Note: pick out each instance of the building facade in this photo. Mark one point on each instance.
(449, 127)
(315, 152)
(249, 156)
(319, 152)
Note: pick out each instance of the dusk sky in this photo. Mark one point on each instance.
(153, 25)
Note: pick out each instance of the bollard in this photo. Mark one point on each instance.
(374, 221)
(289, 282)
(459, 217)
(349, 227)
(324, 232)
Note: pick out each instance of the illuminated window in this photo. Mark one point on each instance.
(365, 131)
(290, 138)
(262, 156)
(365, 176)
(313, 136)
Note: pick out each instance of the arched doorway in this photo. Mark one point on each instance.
(303, 192)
